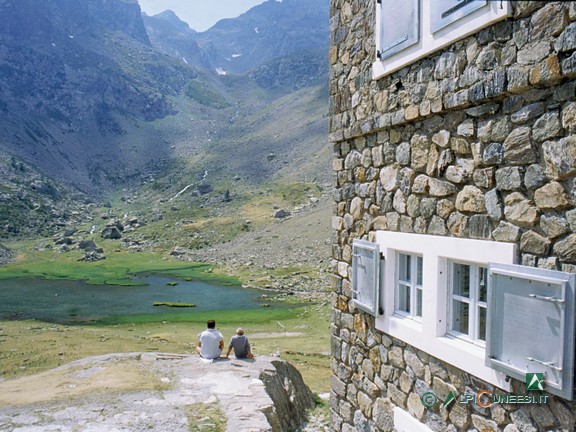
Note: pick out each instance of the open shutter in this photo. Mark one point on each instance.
(365, 276)
(531, 325)
(398, 25)
(445, 12)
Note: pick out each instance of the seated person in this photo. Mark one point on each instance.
(239, 342)
(210, 342)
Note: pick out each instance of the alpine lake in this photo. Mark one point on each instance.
(54, 310)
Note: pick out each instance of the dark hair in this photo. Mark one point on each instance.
(211, 324)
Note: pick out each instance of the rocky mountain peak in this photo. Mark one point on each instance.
(60, 19)
(170, 17)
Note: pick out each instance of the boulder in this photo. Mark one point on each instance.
(93, 256)
(111, 232)
(87, 245)
(5, 254)
(281, 214)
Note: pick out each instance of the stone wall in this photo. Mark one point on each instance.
(475, 141)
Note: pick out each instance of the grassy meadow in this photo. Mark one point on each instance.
(299, 333)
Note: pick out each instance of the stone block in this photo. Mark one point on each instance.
(484, 178)
(443, 207)
(365, 404)
(420, 147)
(396, 395)
(493, 202)
(566, 248)
(519, 210)
(534, 177)
(517, 79)
(437, 226)
(551, 196)
(560, 157)
(522, 420)
(528, 113)
(546, 73)
(567, 39)
(389, 177)
(439, 188)
(518, 147)
(395, 357)
(493, 154)
(497, 81)
(569, 116)
(383, 415)
(509, 178)
(483, 424)
(338, 386)
(533, 52)
(414, 363)
(554, 225)
(458, 224)
(548, 21)
(470, 200)
(480, 227)
(533, 243)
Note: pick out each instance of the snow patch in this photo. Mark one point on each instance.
(184, 59)
(236, 55)
(256, 30)
(220, 71)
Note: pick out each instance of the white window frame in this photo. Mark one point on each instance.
(430, 335)
(429, 41)
(473, 301)
(411, 285)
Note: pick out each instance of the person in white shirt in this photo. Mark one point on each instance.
(210, 342)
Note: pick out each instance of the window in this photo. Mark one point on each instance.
(467, 301)
(409, 287)
(408, 30)
(427, 279)
(479, 312)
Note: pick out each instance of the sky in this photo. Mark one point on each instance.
(200, 14)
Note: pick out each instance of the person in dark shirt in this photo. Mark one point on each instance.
(240, 344)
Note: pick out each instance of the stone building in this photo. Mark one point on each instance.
(453, 125)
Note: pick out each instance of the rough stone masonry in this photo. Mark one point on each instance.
(478, 141)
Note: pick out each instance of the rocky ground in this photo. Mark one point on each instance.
(153, 391)
(271, 257)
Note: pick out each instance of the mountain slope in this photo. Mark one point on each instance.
(71, 77)
(91, 100)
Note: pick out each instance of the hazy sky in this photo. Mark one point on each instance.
(200, 14)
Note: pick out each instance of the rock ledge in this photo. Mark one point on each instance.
(153, 391)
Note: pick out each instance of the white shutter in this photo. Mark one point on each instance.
(445, 12)
(398, 24)
(365, 276)
(531, 325)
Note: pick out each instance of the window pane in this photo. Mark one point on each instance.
(483, 282)
(482, 323)
(405, 267)
(419, 303)
(419, 271)
(461, 280)
(404, 298)
(460, 314)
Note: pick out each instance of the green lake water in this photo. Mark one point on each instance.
(75, 301)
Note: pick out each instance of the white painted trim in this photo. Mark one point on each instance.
(404, 422)
(430, 335)
(430, 42)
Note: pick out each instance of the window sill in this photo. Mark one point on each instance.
(456, 352)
